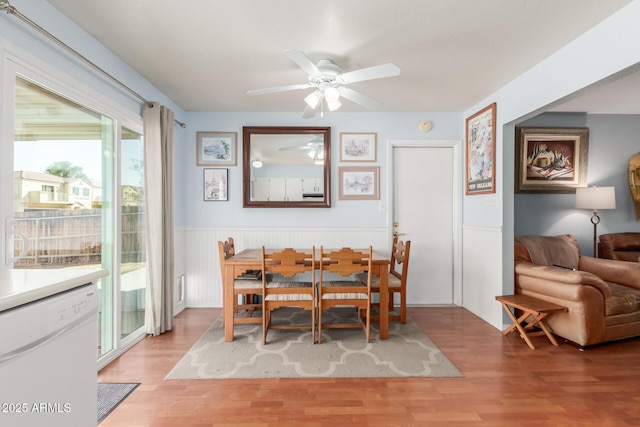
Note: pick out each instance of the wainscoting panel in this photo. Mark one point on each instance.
(203, 280)
(482, 272)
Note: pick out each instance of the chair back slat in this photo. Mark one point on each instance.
(345, 262)
(400, 258)
(287, 262)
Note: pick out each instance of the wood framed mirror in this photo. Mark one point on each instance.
(286, 167)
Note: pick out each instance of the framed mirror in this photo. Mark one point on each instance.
(286, 167)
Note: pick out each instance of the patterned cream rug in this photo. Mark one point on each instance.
(290, 354)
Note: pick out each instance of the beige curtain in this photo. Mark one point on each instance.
(158, 188)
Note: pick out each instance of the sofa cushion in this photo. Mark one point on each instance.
(623, 300)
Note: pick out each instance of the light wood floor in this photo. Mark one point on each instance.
(505, 384)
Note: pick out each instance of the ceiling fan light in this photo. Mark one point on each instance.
(331, 94)
(313, 99)
(333, 104)
(256, 164)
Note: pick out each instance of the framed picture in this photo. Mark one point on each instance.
(481, 152)
(551, 160)
(216, 148)
(359, 182)
(357, 147)
(215, 184)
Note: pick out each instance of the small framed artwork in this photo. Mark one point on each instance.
(551, 160)
(216, 148)
(481, 152)
(357, 147)
(359, 182)
(215, 184)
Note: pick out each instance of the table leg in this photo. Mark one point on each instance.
(539, 320)
(227, 303)
(384, 302)
(516, 324)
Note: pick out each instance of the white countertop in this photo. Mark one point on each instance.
(22, 286)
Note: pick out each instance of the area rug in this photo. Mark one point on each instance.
(408, 352)
(110, 395)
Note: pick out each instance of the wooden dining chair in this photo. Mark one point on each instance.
(244, 288)
(285, 283)
(350, 291)
(398, 269)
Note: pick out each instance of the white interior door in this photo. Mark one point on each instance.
(423, 207)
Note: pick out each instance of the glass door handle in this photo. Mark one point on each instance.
(25, 244)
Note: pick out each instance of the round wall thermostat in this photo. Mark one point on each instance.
(425, 126)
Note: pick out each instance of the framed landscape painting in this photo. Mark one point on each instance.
(357, 147)
(359, 183)
(216, 148)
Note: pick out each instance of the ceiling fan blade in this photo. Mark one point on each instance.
(278, 89)
(302, 147)
(371, 73)
(359, 98)
(303, 61)
(308, 112)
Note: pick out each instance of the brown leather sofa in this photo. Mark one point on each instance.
(622, 246)
(602, 295)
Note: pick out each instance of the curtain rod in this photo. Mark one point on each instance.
(4, 5)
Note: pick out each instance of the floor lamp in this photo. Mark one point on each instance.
(595, 198)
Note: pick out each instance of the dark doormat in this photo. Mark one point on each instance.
(110, 395)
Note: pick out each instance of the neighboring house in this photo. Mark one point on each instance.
(132, 196)
(40, 190)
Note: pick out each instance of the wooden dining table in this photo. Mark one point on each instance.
(251, 259)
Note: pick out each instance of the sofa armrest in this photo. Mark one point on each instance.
(622, 272)
(557, 276)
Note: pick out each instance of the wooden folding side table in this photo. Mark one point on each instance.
(530, 306)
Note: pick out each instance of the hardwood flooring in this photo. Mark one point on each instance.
(505, 384)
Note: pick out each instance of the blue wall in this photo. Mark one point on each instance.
(613, 139)
(343, 213)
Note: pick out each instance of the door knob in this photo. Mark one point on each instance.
(396, 234)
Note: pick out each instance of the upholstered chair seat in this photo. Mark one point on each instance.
(345, 283)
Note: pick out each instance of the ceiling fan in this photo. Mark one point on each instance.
(313, 149)
(329, 82)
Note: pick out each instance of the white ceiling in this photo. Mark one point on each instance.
(206, 54)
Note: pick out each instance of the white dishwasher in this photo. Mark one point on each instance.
(48, 352)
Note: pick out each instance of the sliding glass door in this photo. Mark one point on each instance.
(78, 204)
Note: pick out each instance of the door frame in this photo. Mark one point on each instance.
(456, 168)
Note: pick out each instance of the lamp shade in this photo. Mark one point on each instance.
(595, 198)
